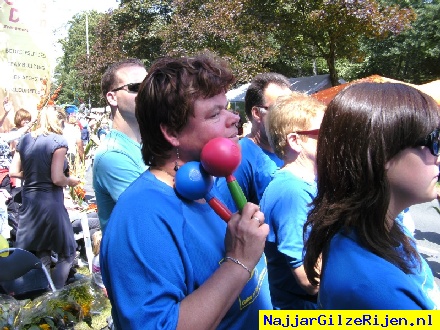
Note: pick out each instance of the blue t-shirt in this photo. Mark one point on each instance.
(118, 162)
(285, 205)
(158, 249)
(355, 278)
(254, 172)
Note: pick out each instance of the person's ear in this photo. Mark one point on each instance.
(256, 114)
(111, 99)
(170, 135)
(293, 142)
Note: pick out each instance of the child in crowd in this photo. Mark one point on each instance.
(96, 268)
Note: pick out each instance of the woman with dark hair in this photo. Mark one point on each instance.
(182, 266)
(377, 154)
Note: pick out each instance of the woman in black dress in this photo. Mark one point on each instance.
(44, 224)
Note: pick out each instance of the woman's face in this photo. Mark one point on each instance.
(210, 120)
(413, 175)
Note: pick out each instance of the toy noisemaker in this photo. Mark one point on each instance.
(220, 157)
(193, 182)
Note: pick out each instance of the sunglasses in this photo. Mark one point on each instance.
(131, 88)
(309, 132)
(432, 141)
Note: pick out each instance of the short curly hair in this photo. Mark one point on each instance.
(167, 96)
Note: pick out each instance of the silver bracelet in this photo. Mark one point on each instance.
(238, 262)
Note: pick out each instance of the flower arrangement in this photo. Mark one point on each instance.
(54, 310)
(78, 193)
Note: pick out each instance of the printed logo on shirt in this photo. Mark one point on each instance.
(253, 286)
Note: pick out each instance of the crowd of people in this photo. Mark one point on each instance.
(38, 166)
(322, 227)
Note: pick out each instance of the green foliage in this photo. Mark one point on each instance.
(412, 56)
(277, 35)
(129, 31)
(332, 29)
(139, 23)
(228, 29)
(78, 85)
(351, 39)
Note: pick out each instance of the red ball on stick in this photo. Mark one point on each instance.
(220, 157)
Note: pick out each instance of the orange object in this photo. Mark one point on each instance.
(92, 208)
(326, 95)
(80, 192)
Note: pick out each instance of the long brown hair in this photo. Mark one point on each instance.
(364, 126)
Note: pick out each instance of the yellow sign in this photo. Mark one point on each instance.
(355, 319)
(24, 63)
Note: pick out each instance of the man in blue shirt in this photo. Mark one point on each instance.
(258, 161)
(118, 160)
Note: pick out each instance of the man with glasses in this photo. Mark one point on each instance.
(118, 160)
(258, 161)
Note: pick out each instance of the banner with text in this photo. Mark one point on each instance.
(25, 41)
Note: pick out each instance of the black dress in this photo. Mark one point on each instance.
(44, 223)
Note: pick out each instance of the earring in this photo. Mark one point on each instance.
(176, 166)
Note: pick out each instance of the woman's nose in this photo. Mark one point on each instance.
(236, 118)
(234, 115)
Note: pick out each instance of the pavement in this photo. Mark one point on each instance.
(426, 218)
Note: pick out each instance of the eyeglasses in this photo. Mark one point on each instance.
(263, 108)
(131, 88)
(432, 141)
(309, 132)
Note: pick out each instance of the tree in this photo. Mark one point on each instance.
(332, 29)
(261, 35)
(294, 37)
(139, 22)
(227, 28)
(412, 56)
(104, 51)
(77, 84)
(129, 31)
